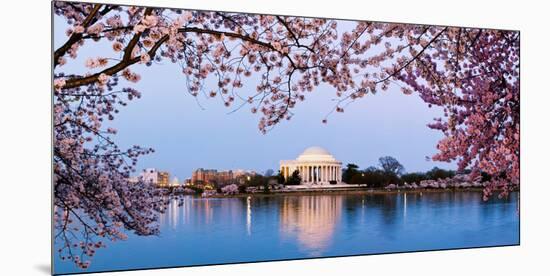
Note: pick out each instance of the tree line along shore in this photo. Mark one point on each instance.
(388, 176)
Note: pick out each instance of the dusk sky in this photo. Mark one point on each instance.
(189, 133)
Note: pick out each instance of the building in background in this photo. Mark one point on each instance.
(215, 178)
(133, 179)
(224, 178)
(149, 175)
(202, 176)
(163, 179)
(175, 182)
(240, 173)
(209, 177)
(155, 177)
(241, 176)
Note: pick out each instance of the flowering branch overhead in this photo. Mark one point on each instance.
(473, 74)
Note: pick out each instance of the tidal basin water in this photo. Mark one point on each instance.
(227, 230)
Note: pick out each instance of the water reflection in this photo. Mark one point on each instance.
(311, 220)
(174, 209)
(405, 206)
(220, 230)
(388, 207)
(249, 215)
(192, 210)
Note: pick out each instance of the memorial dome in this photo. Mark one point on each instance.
(316, 154)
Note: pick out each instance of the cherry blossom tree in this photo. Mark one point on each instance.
(473, 74)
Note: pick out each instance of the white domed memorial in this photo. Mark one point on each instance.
(316, 166)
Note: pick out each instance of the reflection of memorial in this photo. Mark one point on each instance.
(311, 219)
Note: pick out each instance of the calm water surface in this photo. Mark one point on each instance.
(225, 230)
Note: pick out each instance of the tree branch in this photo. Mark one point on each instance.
(76, 82)
(283, 22)
(75, 37)
(414, 58)
(127, 60)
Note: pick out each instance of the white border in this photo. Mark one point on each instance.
(25, 136)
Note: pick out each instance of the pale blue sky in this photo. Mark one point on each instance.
(187, 135)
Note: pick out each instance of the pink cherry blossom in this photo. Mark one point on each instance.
(78, 29)
(139, 28)
(102, 79)
(117, 46)
(59, 83)
(144, 58)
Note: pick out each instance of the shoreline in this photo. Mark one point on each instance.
(354, 191)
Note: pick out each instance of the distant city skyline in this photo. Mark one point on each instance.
(189, 133)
